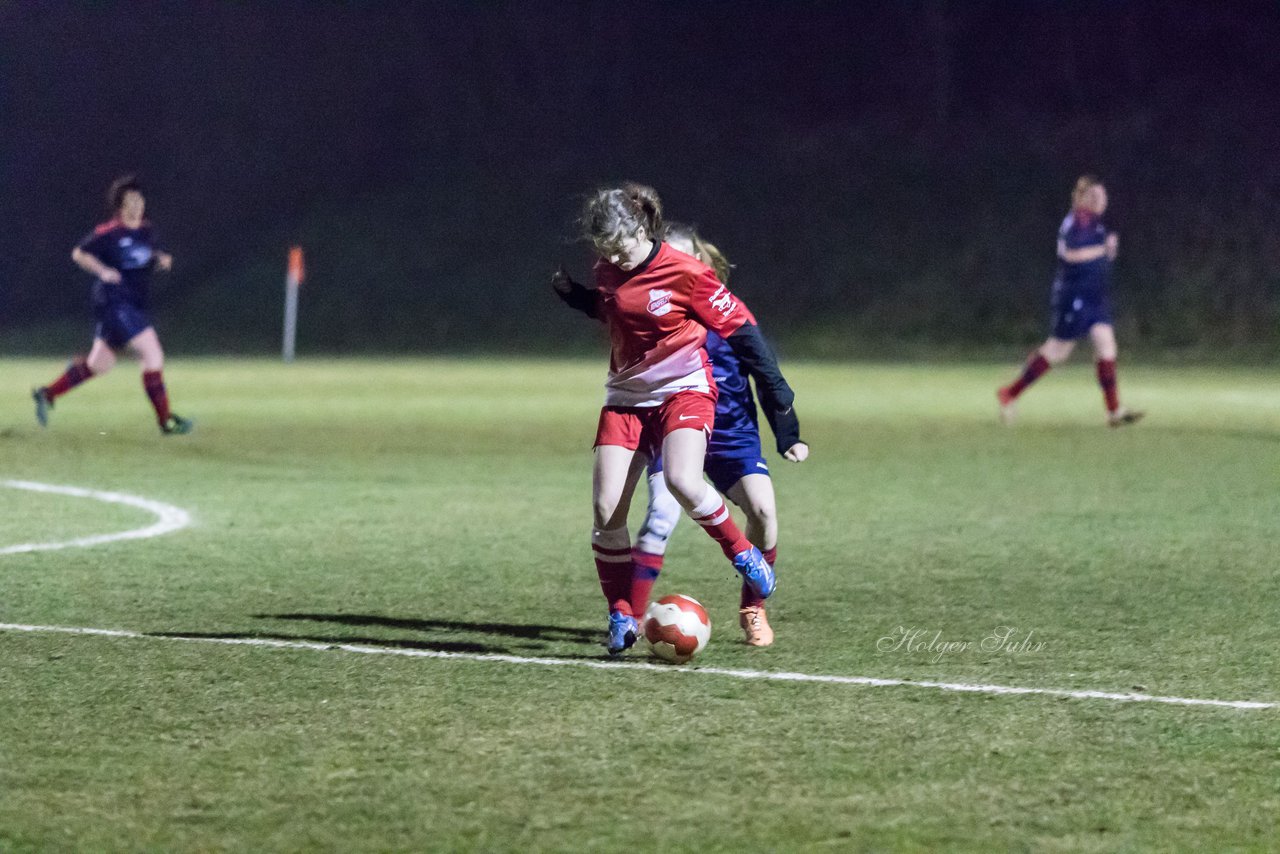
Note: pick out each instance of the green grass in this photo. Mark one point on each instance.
(444, 504)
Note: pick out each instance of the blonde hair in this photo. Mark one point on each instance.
(704, 250)
(1084, 184)
(613, 214)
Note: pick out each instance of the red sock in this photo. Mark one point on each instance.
(644, 572)
(1107, 379)
(1034, 369)
(76, 373)
(749, 597)
(613, 566)
(712, 514)
(153, 382)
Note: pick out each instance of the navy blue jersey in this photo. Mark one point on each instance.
(129, 250)
(737, 421)
(1088, 280)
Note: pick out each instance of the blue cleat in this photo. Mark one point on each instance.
(623, 631)
(755, 571)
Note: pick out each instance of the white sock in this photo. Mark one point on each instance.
(711, 509)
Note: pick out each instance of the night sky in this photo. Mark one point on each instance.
(888, 169)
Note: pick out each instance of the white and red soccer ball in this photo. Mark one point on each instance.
(676, 628)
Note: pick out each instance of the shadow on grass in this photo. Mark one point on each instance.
(498, 637)
(522, 631)
(529, 637)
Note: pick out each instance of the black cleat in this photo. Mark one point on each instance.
(176, 425)
(43, 404)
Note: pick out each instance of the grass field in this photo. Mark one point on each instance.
(443, 506)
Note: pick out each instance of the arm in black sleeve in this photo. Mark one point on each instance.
(576, 296)
(776, 397)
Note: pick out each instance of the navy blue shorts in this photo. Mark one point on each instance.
(728, 461)
(119, 323)
(1073, 316)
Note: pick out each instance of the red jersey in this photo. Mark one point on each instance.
(658, 316)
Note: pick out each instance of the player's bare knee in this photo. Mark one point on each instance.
(686, 489)
(763, 518)
(601, 515)
(1055, 355)
(605, 512)
(101, 363)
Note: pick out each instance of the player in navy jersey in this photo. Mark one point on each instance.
(120, 255)
(1081, 303)
(734, 461)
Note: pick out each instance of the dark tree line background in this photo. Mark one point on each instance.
(884, 175)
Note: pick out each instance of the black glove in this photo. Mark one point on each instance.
(576, 296)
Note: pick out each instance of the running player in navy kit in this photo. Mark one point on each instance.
(734, 461)
(120, 255)
(735, 464)
(1081, 303)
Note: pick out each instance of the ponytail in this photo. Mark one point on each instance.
(704, 250)
(714, 258)
(650, 204)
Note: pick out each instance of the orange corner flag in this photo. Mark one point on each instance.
(297, 272)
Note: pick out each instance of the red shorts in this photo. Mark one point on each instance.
(644, 427)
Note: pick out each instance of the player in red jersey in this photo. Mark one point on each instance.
(120, 255)
(734, 461)
(658, 304)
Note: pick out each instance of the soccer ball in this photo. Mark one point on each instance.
(676, 627)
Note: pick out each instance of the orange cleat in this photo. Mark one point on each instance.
(755, 626)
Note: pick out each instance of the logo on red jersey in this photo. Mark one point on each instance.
(659, 302)
(722, 301)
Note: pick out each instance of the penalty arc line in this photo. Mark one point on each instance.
(761, 675)
(168, 517)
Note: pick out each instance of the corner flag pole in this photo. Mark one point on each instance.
(293, 278)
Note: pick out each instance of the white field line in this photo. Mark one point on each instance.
(763, 675)
(168, 517)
